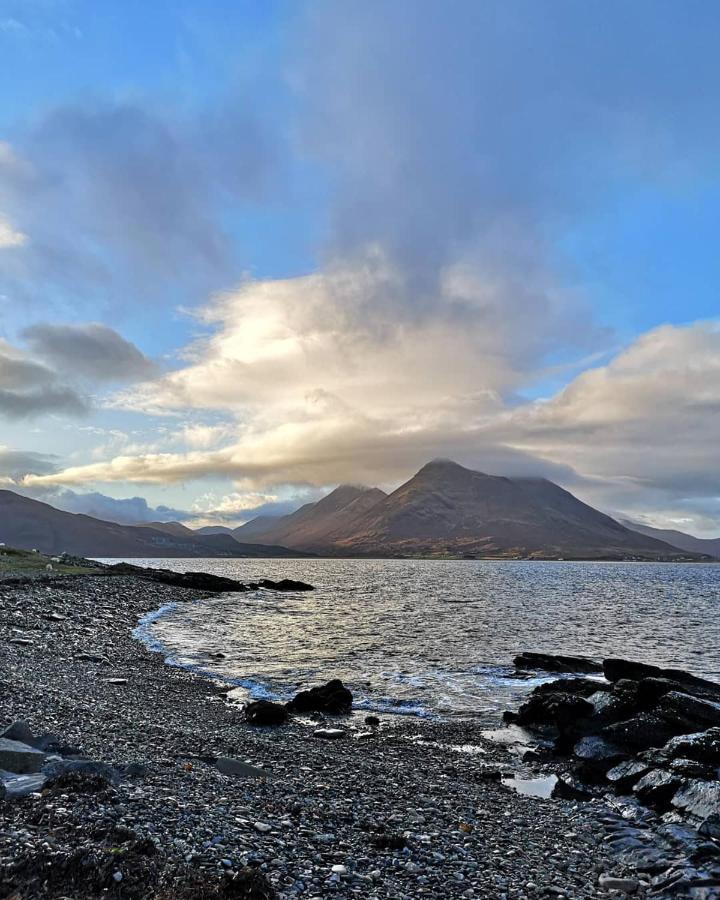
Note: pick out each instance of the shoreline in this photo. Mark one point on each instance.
(412, 785)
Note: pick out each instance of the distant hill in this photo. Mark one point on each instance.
(448, 510)
(29, 524)
(679, 539)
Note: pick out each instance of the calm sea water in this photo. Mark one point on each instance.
(437, 637)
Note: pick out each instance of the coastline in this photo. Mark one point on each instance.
(456, 830)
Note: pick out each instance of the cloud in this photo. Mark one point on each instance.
(15, 464)
(125, 511)
(9, 236)
(90, 350)
(112, 196)
(28, 388)
(605, 435)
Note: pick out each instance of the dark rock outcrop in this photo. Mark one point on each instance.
(333, 698)
(552, 662)
(265, 712)
(285, 584)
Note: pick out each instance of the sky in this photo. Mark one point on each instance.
(252, 250)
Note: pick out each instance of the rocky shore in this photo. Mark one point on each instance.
(150, 782)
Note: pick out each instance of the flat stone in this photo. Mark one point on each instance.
(20, 758)
(698, 798)
(117, 681)
(15, 787)
(330, 733)
(229, 766)
(262, 827)
(19, 731)
(625, 885)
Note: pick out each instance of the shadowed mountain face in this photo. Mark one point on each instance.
(28, 524)
(448, 510)
(679, 539)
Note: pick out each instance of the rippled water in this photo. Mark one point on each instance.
(438, 636)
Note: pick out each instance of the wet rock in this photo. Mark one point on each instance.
(700, 799)
(20, 758)
(333, 698)
(199, 581)
(703, 746)
(285, 584)
(625, 774)
(583, 687)
(266, 713)
(641, 732)
(613, 883)
(372, 721)
(689, 711)
(15, 787)
(710, 827)
(556, 709)
(594, 748)
(19, 731)
(657, 788)
(552, 662)
(569, 788)
(690, 768)
(616, 669)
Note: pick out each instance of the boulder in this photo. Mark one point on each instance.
(710, 827)
(689, 711)
(264, 712)
(690, 768)
(703, 746)
(581, 687)
(14, 787)
(700, 799)
(640, 732)
(569, 788)
(285, 584)
(552, 662)
(19, 731)
(625, 774)
(557, 709)
(20, 758)
(616, 669)
(657, 788)
(594, 748)
(333, 698)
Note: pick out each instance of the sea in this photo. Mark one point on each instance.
(434, 637)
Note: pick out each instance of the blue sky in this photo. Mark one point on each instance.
(281, 206)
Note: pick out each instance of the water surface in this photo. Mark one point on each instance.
(438, 637)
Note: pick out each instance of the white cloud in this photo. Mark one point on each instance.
(9, 236)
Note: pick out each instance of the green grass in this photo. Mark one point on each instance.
(25, 562)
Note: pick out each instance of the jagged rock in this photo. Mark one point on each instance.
(199, 581)
(686, 709)
(710, 827)
(264, 712)
(690, 768)
(625, 774)
(703, 746)
(19, 731)
(552, 662)
(556, 709)
(285, 584)
(624, 885)
(616, 669)
(657, 788)
(699, 799)
(640, 732)
(582, 687)
(20, 758)
(333, 698)
(594, 748)
(15, 787)
(569, 788)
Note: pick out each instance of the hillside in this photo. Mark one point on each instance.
(29, 524)
(679, 539)
(448, 510)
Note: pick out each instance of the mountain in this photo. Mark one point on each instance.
(214, 529)
(176, 528)
(318, 524)
(679, 539)
(448, 510)
(29, 524)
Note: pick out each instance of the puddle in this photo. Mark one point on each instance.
(532, 787)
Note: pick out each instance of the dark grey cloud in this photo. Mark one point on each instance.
(124, 204)
(28, 388)
(15, 464)
(90, 350)
(124, 511)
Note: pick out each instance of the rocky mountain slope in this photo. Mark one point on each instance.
(679, 539)
(29, 524)
(449, 510)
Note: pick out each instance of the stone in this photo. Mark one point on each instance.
(613, 883)
(333, 698)
(265, 713)
(372, 721)
(330, 733)
(19, 731)
(116, 681)
(710, 827)
(657, 788)
(556, 709)
(552, 662)
(615, 669)
(625, 774)
(285, 584)
(640, 732)
(229, 766)
(700, 799)
(56, 768)
(598, 749)
(262, 827)
(568, 788)
(20, 758)
(690, 768)
(14, 787)
(690, 711)
(702, 746)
